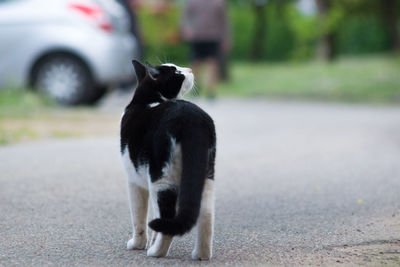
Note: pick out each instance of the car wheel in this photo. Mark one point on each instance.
(96, 94)
(64, 79)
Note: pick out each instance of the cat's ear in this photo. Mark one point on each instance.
(140, 70)
(152, 71)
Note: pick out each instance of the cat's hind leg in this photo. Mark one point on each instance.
(164, 203)
(138, 198)
(151, 234)
(205, 228)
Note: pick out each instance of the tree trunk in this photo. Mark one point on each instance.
(325, 49)
(259, 31)
(389, 13)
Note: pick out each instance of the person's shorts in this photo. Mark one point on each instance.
(201, 50)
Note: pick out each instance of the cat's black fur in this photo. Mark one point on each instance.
(147, 132)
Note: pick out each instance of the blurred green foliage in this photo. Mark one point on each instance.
(290, 35)
(21, 102)
(362, 34)
(161, 36)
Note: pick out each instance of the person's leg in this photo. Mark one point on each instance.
(196, 63)
(196, 66)
(212, 77)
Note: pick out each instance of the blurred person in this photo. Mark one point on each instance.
(205, 27)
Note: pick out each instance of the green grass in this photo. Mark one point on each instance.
(26, 116)
(21, 102)
(17, 103)
(369, 79)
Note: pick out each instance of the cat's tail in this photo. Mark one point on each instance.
(194, 170)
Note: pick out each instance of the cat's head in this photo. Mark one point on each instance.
(170, 80)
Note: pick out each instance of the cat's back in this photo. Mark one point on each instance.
(173, 111)
(183, 117)
(184, 111)
(174, 118)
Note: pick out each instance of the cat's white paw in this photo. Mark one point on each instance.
(136, 243)
(201, 255)
(155, 251)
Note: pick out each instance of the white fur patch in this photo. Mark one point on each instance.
(138, 198)
(205, 224)
(153, 105)
(172, 171)
(139, 177)
(188, 83)
(160, 246)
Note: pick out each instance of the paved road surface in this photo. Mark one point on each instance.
(298, 183)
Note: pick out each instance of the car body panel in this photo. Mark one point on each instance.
(27, 33)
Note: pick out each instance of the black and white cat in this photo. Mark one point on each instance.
(168, 150)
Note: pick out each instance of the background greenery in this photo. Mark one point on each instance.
(350, 79)
(290, 35)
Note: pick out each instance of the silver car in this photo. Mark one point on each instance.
(70, 49)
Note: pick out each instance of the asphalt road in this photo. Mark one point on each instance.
(297, 184)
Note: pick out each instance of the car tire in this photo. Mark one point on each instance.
(96, 94)
(63, 78)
